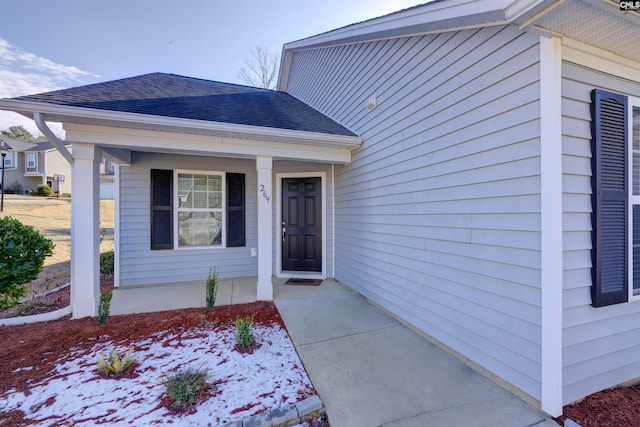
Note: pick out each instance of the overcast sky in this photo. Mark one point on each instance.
(54, 44)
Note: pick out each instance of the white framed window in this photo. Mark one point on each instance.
(199, 209)
(9, 160)
(32, 161)
(633, 128)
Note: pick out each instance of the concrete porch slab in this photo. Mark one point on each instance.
(173, 296)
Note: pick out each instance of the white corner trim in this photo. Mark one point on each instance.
(278, 200)
(333, 219)
(116, 226)
(551, 224)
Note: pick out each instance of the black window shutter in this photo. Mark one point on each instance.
(610, 198)
(235, 209)
(161, 209)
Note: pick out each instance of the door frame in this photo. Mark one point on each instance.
(323, 188)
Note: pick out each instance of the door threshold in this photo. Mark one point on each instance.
(301, 275)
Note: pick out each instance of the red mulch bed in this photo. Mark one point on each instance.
(619, 407)
(42, 344)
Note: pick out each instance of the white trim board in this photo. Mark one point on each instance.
(551, 224)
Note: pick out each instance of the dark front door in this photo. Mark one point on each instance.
(301, 224)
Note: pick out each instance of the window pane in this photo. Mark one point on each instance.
(200, 182)
(215, 191)
(636, 249)
(215, 183)
(200, 199)
(636, 150)
(185, 185)
(215, 200)
(199, 228)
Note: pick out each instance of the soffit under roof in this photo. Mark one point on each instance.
(598, 23)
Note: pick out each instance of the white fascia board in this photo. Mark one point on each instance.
(452, 14)
(66, 114)
(198, 144)
(397, 21)
(520, 10)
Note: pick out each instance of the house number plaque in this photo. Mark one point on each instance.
(264, 193)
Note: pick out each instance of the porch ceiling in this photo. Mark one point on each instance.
(599, 23)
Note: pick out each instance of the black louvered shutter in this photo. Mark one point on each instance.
(610, 198)
(161, 209)
(235, 210)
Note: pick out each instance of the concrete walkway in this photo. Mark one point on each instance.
(370, 370)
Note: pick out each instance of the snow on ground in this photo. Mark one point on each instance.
(75, 393)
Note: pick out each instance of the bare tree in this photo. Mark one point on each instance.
(261, 70)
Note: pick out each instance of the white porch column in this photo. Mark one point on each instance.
(85, 230)
(264, 166)
(551, 224)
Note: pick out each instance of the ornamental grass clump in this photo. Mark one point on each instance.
(115, 365)
(212, 287)
(245, 340)
(185, 388)
(104, 306)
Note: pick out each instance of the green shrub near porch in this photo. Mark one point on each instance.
(22, 253)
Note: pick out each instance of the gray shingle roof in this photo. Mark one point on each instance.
(171, 95)
(45, 146)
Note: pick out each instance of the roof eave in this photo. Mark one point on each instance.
(83, 115)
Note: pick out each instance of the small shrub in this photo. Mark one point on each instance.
(244, 333)
(212, 287)
(115, 365)
(66, 195)
(185, 388)
(106, 262)
(15, 188)
(104, 306)
(22, 253)
(42, 190)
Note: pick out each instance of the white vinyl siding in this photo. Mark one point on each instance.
(601, 346)
(139, 265)
(438, 215)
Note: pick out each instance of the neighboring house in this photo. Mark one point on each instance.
(28, 165)
(468, 166)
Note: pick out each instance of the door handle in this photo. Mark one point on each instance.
(284, 231)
